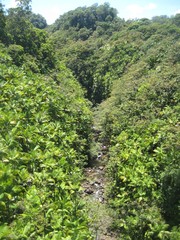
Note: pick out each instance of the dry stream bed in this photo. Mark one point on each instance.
(94, 194)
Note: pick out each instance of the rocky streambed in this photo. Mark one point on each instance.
(94, 194)
(94, 182)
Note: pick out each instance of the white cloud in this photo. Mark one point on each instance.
(138, 11)
(177, 11)
(134, 9)
(50, 14)
(12, 4)
(150, 6)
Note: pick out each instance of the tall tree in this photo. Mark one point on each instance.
(2, 23)
(38, 21)
(24, 4)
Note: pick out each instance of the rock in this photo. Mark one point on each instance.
(101, 168)
(97, 182)
(101, 199)
(99, 156)
(101, 186)
(104, 148)
(88, 191)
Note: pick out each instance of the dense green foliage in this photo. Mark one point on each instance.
(44, 128)
(28, 44)
(38, 21)
(86, 18)
(2, 23)
(80, 38)
(130, 71)
(141, 125)
(44, 137)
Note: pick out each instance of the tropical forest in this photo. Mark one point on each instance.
(89, 125)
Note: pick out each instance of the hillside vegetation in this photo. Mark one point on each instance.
(90, 70)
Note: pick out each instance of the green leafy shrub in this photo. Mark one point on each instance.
(16, 52)
(142, 129)
(44, 144)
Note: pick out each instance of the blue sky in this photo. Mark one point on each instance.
(128, 9)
